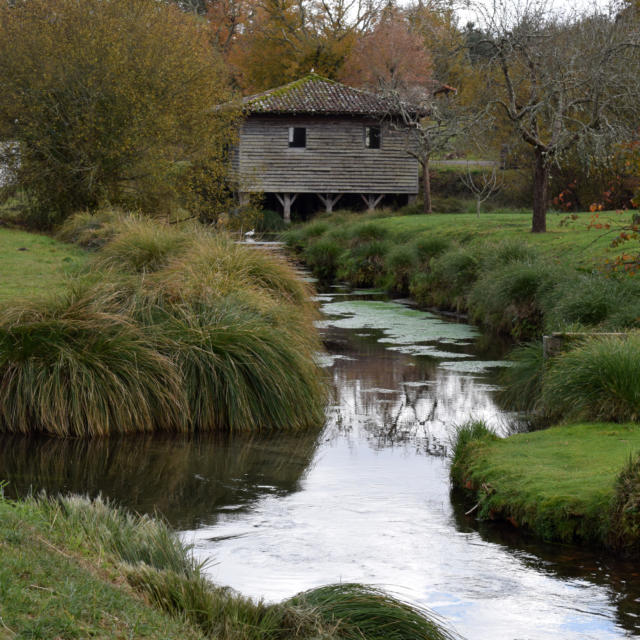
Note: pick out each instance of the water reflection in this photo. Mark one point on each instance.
(188, 480)
(368, 499)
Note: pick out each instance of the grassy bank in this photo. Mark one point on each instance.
(508, 280)
(573, 483)
(34, 265)
(165, 329)
(74, 568)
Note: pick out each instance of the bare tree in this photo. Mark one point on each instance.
(564, 82)
(483, 185)
(434, 121)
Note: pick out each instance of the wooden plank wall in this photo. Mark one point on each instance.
(335, 159)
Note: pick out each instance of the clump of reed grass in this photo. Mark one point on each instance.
(364, 265)
(430, 247)
(367, 232)
(91, 230)
(509, 298)
(357, 611)
(624, 527)
(593, 300)
(216, 336)
(521, 388)
(142, 246)
(597, 380)
(323, 257)
(69, 368)
(464, 434)
(400, 264)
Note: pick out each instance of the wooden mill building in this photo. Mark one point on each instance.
(319, 137)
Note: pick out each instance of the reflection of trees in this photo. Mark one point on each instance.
(186, 479)
(567, 562)
(395, 398)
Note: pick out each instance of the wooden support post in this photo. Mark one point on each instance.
(371, 200)
(328, 200)
(286, 200)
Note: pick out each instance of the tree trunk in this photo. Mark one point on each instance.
(540, 188)
(426, 178)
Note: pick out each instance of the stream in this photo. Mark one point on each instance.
(365, 500)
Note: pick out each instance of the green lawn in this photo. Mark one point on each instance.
(32, 264)
(569, 241)
(559, 482)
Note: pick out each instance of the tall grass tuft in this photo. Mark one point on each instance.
(142, 246)
(364, 265)
(400, 264)
(180, 330)
(91, 230)
(522, 382)
(239, 372)
(67, 368)
(598, 380)
(510, 298)
(357, 612)
(470, 431)
(323, 257)
(624, 528)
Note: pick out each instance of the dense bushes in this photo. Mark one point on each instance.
(169, 329)
(505, 285)
(596, 378)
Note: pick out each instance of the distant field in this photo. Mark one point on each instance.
(571, 242)
(32, 264)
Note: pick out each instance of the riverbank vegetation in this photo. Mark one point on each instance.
(573, 483)
(78, 568)
(507, 280)
(165, 329)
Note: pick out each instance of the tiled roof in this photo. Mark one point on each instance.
(314, 94)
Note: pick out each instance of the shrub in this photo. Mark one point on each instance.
(598, 380)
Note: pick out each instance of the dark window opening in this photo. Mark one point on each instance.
(297, 137)
(372, 137)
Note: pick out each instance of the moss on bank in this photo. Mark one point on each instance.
(74, 568)
(575, 483)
